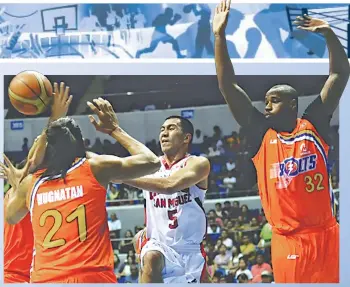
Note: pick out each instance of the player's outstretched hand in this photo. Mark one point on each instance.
(220, 18)
(311, 24)
(12, 174)
(61, 101)
(108, 120)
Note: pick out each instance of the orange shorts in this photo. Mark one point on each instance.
(15, 278)
(311, 256)
(91, 277)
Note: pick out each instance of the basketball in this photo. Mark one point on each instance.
(30, 92)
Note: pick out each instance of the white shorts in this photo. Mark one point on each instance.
(179, 268)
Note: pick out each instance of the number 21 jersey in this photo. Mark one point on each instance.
(70, 226)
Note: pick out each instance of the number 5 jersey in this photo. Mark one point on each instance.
(177, 220)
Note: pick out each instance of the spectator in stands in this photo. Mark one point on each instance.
(217, 134)
(254, 224)
(118, 265)
(134, 274)
(213, 152)
(235, 210)
(112, 192)
(25, 148)
(234, 261)
(213, 227)
(226, 240)
(241, 220)
(216, 277)
(233, 141)
(230, 165)
(218, 244)
(114, 226)
(248, 248)
(266, 277)
(212, 215)
(242, 278)
(259, 267)
(218, 209)
(243, 268)
(265, 236)
(227, 209)
(230, 180)
(211, 253)
(222, 260)
(131, 260)
(198, 137)
(246, 214)
(127, 244)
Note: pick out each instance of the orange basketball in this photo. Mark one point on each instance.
(30, 92)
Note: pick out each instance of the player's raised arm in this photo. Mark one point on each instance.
(107, 167)
(196, 170)
(339, 69)
(59, 108)
(20, 181)
(236, 98)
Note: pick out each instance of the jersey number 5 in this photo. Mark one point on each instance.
(79, 214)
(314, 182)
(173, 219)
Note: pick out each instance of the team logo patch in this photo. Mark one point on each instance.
(291, 167)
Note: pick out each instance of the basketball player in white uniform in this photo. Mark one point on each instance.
(175, 218)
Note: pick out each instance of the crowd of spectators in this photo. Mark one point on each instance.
(232, 170)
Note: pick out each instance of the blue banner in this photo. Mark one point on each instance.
(17, 125)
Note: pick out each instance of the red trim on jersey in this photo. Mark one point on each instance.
(167, 166)
(204, 270)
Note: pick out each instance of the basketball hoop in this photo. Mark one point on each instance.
(60, 25)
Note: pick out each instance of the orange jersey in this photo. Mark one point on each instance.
(70, 226)
(292, 171)
(18, 248)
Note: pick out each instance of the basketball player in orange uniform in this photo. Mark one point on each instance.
(291, 160)
(18, 238)
(18, 248)
(66, 201)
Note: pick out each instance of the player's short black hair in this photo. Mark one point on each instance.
(186, 125)
(64, 144)
(284, 91)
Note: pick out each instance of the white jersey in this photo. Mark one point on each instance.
(178, 220)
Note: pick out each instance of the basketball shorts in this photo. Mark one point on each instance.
(186, 267)
(10, 277)
(310, 256)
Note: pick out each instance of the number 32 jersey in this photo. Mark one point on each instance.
(70, 226)
(293, 179)
(177, 220)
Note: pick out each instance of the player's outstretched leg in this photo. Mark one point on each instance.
(152, 266)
